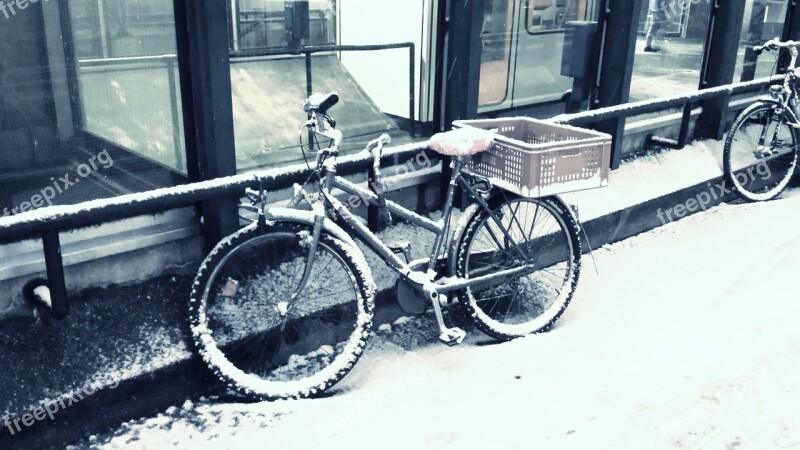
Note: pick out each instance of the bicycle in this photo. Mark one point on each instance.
(283, 307)
(760, 153)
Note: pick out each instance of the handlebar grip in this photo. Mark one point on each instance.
(758, 50)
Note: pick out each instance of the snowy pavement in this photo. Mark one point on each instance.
(688, 338)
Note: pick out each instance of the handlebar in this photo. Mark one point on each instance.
(775, 44)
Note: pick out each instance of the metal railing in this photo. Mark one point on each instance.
(46, 224)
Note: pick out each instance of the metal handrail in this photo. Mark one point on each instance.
(47, 223)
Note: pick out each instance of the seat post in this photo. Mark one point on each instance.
(448, 207)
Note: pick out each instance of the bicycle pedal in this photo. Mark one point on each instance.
(453, 336)
(401, 248)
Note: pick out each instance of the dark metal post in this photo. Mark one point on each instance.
(207, 32)
(463, 67)
(412, 62)
(721, 55)
(55, 273)
(190, 136)
(309, 79)
(619, 20)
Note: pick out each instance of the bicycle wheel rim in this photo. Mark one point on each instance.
(529, 302)
(263, 342)
(761, 154)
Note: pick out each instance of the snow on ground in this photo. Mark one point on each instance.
(650, 176)
(688, 338)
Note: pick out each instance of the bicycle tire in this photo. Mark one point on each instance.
(256, 308)
(564, 243)
(753, 177)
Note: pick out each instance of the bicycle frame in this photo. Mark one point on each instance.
(423, 279)
(428, 281)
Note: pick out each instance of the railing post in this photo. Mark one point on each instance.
(618, 20)
(55, 274)
(721, 54)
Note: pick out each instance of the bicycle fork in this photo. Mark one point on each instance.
(311, 241)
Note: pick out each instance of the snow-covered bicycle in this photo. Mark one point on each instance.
(760, 154)
(283, 307)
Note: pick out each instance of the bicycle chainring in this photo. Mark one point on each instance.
(411, 300)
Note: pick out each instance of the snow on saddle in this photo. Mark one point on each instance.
(461, 142)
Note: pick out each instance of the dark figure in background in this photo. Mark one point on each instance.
(657, 17)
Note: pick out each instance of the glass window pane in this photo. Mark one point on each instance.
(669, 48)
(90, 103)
(495, 51)
(763, 20)
(269, 79)
(550, 15)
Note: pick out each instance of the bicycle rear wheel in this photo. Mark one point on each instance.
(760, 153)
(256, 335)
(538, 231)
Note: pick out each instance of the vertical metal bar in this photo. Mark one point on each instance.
(101, 16)
(708, 45)
(309, 79)
(620, 21)
(412, 91)
(309, 91)
(187, 98)
(235, 24)
(176, 120)
(210, 74)
(721, 54)
(683, 136)
(55, 273)
(72, 67)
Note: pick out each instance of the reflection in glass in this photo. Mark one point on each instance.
(763, 20)
(269, 79)
(495, 50)
(92, 110)
(128, 77)
(669, 48)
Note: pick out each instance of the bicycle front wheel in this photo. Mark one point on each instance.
(760, 153)
(259, 335)
(541, 232)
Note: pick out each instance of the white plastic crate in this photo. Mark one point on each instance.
(535, 159)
